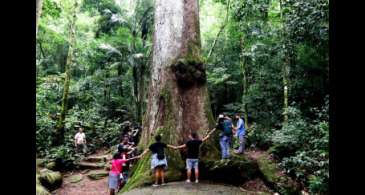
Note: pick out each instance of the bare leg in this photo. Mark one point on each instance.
(189, 174)
(157, 175)
(162, 175)
(196, 175)
(112, 191)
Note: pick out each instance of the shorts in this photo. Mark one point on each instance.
(192, 163)
(113, 181)
(156, 163)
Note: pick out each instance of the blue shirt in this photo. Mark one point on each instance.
(240, 127)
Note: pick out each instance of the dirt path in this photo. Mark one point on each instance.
(78, 183)
(85, 187)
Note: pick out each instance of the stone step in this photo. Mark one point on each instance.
(103, 158)
(97, 174)
(90, 165)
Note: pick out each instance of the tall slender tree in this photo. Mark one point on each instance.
(286, 64)
(60, 130)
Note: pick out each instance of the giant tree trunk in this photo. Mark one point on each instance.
(38, 13)
(178, 96)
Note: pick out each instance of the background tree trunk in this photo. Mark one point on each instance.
(60, 131)
(38, 12)
(178, 97)
(286, 65)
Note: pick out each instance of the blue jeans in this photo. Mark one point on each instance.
(241, 138)
(225, 145)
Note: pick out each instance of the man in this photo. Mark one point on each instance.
(225, 125)
(240, 134)
(192, 160)
(80, 141)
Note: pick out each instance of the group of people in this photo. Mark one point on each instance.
(120, 162)
(230, 131)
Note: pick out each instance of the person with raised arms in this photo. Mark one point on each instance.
(192, 161)
(158, 160)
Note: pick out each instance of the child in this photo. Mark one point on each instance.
(116, 169)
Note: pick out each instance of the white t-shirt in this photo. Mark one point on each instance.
(80, 137)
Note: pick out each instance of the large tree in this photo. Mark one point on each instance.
(178, 100)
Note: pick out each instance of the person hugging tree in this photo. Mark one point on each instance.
(158, 160)
(192, 160)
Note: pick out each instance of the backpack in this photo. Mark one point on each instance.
(227, 127)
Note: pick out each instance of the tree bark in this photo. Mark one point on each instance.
(60, 131)
(38, 13)
(285, 67)
(178, 96)
(245, 86)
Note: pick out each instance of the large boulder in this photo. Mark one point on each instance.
(96, 175)
(51, 166)
(235, 170)
(40, 190)
(274, 177)
(50, 179)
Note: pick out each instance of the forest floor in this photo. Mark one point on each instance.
(86, 186)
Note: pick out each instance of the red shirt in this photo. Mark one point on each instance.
(117, 166)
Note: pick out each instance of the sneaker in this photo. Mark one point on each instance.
(163, 184)
(155, 185)
(196, 181)
(188, 181)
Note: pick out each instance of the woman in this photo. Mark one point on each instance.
(116, 169)
(158, 160)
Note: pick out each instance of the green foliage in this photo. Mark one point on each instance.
(303, 149)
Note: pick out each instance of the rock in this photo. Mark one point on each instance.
(85, 171)
(176, 188)
(89, 165)
(99, 159)
(40, 162)
(274, 177)
(40, 190)
(51, 165)
(238, 168)
(75, 178)
(50, 179)
(96, 175)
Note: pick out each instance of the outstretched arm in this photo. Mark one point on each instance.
(136, 157)
(181, 146)
(144, 152)
(206, 137)
(171, 146)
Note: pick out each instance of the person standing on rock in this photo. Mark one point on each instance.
(115, 170)
(80, 141)
(225, 137)
(192, 160)
(158, 160)
(240, 134)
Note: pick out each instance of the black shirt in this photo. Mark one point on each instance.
(193, 148)
(157, 147)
